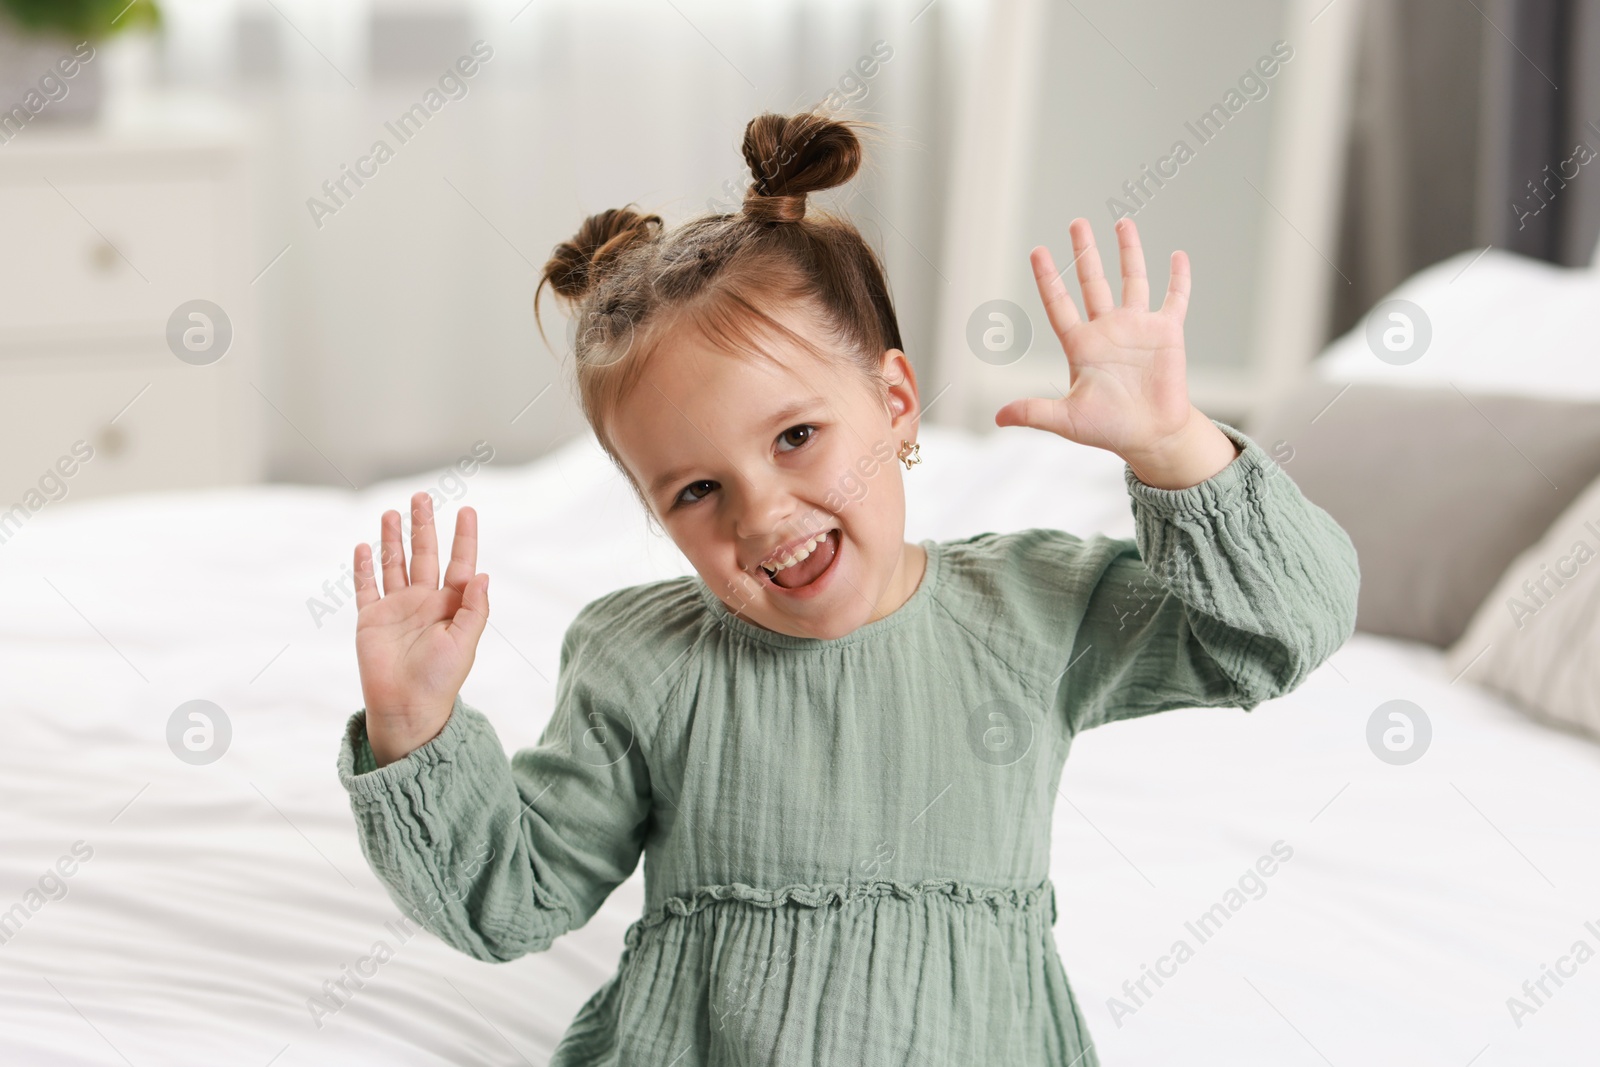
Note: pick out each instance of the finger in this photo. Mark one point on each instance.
(394, 556)
(1091, 277)
(366, 584)
(466, 626)
(424, 543)
(1176, 302)
(1135, 286)
(463, 551)
(1058, 305)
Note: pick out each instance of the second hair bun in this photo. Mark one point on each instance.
(792, 155)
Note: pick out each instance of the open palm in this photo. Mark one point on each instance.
(1128, 392)
(416, 642)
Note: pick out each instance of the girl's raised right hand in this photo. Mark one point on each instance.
(416, 642)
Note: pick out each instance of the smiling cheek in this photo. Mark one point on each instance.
(854, 492)
(716, 558)
(711, 553)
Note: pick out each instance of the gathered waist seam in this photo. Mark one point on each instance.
(838, 894)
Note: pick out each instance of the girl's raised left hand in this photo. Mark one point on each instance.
(1128, 392)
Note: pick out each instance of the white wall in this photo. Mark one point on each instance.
(1108, 91)
(401, 330)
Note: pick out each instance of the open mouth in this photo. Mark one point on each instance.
(805, 572)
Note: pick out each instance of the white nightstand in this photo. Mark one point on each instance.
(105, 231)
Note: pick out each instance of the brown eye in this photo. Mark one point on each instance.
(683, 501)
(806, 430)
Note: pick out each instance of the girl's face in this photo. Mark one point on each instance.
(743, 462)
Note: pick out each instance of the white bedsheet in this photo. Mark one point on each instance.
(219, 898)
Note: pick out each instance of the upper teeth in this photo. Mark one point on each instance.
(799, 554)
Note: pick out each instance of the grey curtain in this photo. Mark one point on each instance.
(1471, 126)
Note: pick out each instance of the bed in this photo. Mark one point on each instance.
(210, 904)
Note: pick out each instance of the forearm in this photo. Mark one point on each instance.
(1269, 579)
(441, 827)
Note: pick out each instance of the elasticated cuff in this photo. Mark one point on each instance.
(1220, 492)
(467, 738)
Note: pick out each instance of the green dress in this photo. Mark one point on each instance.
(847, 841)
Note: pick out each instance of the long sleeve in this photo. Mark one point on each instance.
(1232, 591)
(500, 856)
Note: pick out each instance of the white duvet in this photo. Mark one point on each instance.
(208, 904)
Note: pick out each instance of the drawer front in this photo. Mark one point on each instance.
(95, 258)
(180, 432)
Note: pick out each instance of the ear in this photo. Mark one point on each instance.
(904, 406)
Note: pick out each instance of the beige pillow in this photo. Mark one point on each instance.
(1536, 638)
(1438, 490)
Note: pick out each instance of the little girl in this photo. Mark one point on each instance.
(838, 752)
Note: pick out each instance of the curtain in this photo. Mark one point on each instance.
(1468, 125)
(395, 316)
(1541, 131)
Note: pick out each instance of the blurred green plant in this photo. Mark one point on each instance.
(81, 19)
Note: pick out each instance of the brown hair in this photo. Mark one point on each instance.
(628, 283)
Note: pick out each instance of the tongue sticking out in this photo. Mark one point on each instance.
(809, 569)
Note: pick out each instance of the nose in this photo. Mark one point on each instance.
(762, 506)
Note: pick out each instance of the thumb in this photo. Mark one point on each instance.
(473, 614)
(1036, 412)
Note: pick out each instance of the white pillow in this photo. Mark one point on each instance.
(1500, 323)
(1536, 638)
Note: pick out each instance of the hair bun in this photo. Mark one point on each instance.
(793, 155)
(575, 265)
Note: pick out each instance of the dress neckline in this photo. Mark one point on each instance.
(915, 605)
